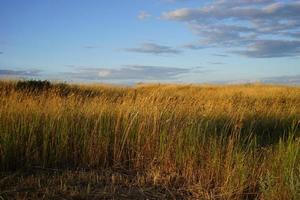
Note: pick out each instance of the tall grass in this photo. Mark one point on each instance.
(213, 142)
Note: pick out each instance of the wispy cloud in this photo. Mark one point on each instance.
(272, 48)
(19, 73)
(90, 46)
(173, 1)
(220, 55)
(143, 15)
(131, 73)
(152, 48)
(283, 79)
(244, 24)
(217, 63)
(194, 46)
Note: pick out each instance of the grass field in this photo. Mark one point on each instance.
(61, 141)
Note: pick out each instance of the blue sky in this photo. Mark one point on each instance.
(132, 41)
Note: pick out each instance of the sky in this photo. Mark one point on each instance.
(182, 41)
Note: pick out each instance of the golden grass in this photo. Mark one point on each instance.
(195, 142)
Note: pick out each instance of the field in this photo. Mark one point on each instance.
(60, 141)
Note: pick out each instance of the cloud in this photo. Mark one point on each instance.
(1, 52)
(217, 63)
(240, 10)
(294, 80)
(143, 15)
(152, 48)
(222, 35)
(272, 48)
(194, 46)
(174, 1)
(131, 73)
(104, 73)
(242, 24)
(295, 35)
(19, 73)
(285, 80)
(220, 55)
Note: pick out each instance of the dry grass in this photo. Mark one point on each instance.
(154, 141)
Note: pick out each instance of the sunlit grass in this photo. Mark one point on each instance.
(210, 142)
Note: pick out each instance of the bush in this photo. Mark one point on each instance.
(33, 85)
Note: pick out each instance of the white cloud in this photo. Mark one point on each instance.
(104, 73)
